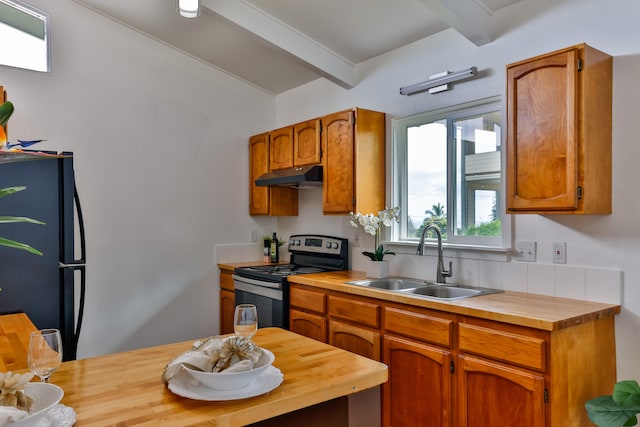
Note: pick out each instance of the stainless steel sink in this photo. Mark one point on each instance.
(423, 289)
(445, 292)
(390, 283)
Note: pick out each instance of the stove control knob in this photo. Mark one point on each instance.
(327, 245)
(334, 245)
(296, 242)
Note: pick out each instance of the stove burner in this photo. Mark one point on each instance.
(282, 270)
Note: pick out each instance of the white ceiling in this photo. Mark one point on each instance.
(278, 45)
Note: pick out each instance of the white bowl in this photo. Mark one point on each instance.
(233, 380)
(45, 396)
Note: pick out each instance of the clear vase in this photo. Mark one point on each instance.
(377, 269)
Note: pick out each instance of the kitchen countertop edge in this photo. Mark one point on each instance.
(518, 308)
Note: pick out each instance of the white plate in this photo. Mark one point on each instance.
(58, 416)
(185, 385)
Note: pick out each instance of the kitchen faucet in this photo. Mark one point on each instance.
(441, 273)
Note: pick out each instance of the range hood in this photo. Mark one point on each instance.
(298, 176)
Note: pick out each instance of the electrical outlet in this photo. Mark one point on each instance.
(559, 255)
(254, 236)
(526, 251)
(355, 242)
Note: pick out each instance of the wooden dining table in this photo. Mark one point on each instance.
(126, 389)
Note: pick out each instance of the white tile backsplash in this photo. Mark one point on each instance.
(604, 285)
(570, 282)
(514, 276)
(565, 281)
(540, 279)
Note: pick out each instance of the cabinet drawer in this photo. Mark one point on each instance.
(505, 346)
(362, 312)
(309, 300)
(420, 326)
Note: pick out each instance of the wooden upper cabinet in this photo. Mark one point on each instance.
(559, 133)
(306, 143)
(281, 148)
(275, 201)
(353, 150)
(258, 164)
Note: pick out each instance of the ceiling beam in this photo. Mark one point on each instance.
(471, 18)
(326, 62)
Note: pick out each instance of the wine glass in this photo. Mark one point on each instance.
(245, 320)
(45, 353)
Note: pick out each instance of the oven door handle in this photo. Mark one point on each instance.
(261, 283)
(274, 294)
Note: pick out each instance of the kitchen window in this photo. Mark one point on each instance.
(24, 32)
(448, 171)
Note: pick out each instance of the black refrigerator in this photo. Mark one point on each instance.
(49, 288)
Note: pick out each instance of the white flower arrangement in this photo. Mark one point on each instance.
(372, 224)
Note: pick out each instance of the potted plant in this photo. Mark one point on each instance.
(6, 109)
(377, 266)
(618, 409)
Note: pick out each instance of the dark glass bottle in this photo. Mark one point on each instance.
(274, 249)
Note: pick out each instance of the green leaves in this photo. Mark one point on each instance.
(617, 410)
(379, 254)
(10, 190)
(6, 110)
(18, 245)
(10, 219)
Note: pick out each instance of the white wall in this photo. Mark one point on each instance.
(602, 250)
(160, 143)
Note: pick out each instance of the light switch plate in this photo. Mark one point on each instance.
(526, 251)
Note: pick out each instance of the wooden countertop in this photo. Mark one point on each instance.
(125, 389)
(536, 311)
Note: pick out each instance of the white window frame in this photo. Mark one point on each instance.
(398, 184)
(25, 37)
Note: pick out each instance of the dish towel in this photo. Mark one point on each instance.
(215, 354)
(9, 414)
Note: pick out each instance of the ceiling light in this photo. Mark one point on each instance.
(443, 80)
(189, 8)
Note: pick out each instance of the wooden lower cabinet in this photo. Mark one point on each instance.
(419, 389)
(308, 324)
(461, 371)
(227, 307)
(227, 301)
(494, 394)
(355, 339)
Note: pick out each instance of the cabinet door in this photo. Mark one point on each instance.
(364, 342)
(496, 395)
(306, 143)
(227, 308)
(281, 148)
(309, 325)
(542, 133)
(276, 201)
(338, 172)
(258, 165)
(418, 392)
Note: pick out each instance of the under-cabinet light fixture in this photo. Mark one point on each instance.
(189, 8)
(439, 82)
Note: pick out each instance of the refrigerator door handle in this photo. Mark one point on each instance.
(73, 265)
